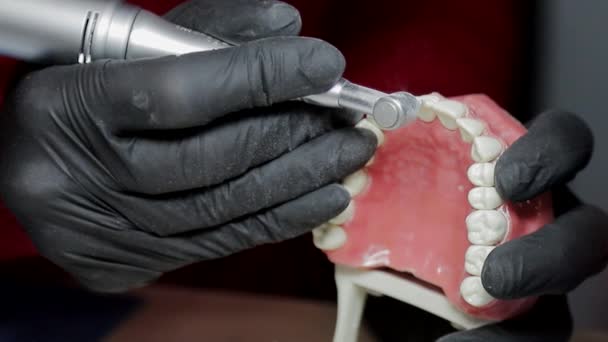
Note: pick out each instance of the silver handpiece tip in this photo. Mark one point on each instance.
(396, 110)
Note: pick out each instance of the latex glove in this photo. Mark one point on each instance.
(121, 171)
(561, 255)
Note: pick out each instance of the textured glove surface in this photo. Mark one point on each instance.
(121, 171)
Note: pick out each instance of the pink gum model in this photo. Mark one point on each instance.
(427, 207)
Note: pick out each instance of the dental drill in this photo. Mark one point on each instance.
(82, 31)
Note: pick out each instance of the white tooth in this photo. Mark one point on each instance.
(481, 174)
(329, 237)
(371, 161)
(448, 111)
(472, 292)
(470, 128)
(344, 216)
(486, 227)
(475, 257)
(426, 112)
(485, 149)
(320, 231)
(484, 198)
(355, 183)
(431, 98)
(368, 125)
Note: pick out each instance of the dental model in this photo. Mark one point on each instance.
(426, 207)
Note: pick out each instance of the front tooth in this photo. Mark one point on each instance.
(448, 111)
(469, 128)
(472, 292)
(355, 183)
(426, 112)
(475, 257)
(485, 149)
(484, 198)
(486, 227)
(433, 97)
(329, 237)
(369, 125)
(481, 174)
(344, 216)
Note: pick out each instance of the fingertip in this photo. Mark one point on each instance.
(332, 199)
(278, 69)
(518, 181)
(533, 264)
(283, 19)
(359, 147)
(566, 122)
(340, 196)
(322, 63)
(315, 208)
(497, 274)
(575, 135)
(556, 147)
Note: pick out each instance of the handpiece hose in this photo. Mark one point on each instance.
(81, 31)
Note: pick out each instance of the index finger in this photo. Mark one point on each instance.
(195, 89)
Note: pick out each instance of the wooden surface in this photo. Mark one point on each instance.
(189, 316)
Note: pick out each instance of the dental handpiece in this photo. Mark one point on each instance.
(82, 31)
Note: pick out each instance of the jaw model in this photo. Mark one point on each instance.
(426, 204)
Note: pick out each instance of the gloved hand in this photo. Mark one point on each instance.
(558, 257)
(121, 171)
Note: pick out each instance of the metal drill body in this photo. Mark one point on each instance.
(82, 31)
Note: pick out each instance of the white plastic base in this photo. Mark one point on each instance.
(354, 284)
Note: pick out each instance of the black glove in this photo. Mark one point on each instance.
(121, 171)
(558, 257)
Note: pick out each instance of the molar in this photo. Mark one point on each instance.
(344, 216)
(484, 198)
(486, 227)
(472, 291)
(470, 128)
(329, 237)
(475, 257)
(448, 111)
(481, 174)
(485, 149)
(356, 183)
(369, 125)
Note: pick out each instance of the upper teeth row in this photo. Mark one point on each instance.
(486, 224)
